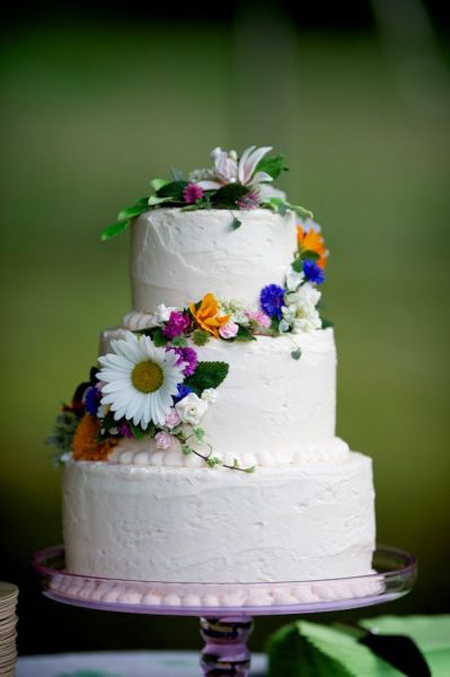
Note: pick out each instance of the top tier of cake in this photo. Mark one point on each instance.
(179, 256)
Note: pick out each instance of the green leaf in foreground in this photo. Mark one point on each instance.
(296, 354)
(207, 375)
(235, 224)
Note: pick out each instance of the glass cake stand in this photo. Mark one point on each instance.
(226, 610)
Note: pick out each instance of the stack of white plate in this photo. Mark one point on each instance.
(8, 634)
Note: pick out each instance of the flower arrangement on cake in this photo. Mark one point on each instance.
(153, 384)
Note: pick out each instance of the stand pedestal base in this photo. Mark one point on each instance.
(225, 653)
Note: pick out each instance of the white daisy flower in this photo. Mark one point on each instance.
(140, 380)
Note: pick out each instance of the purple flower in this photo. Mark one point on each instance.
(92, 398)
(176, 325)
(313, 272)
(182, 392)
(272, 299)
(125, 430)
(192, 192)
(187, 355)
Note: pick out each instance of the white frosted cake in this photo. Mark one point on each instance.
(203, 448)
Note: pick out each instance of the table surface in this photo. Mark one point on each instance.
(121, 664)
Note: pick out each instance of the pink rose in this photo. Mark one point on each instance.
(229, 330)
(163, 440)
(172, 419)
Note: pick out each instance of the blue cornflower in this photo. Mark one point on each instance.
(92, 400)
(182, 392)
(272, 299)
(313, 272)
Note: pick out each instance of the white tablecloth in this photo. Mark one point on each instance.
(121, 664)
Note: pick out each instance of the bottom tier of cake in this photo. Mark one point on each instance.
(217, 525)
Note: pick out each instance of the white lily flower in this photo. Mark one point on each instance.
(228, 170)
(248, 162)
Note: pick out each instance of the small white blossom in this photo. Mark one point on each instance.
(305, 295)
(209, 395)
(162, 313)
(191, 409)
(309, 323)
(284, 326)
(294, 279)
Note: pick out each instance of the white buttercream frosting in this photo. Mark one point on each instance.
(178, 256)
(215, 525)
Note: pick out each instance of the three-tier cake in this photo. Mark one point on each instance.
(203, 447)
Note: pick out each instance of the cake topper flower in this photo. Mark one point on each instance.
(140, 380)
(229, 169)
(233, 182)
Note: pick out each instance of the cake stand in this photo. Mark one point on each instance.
(226, 610)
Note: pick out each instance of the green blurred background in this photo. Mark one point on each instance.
(94, 107)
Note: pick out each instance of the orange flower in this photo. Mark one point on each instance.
(206, 315)
(85, 445)
(312, 241)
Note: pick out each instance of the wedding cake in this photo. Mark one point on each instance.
(203, 447)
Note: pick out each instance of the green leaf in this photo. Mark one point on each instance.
(244, 334)
(301, 211)
(235, 224)
(207, 375)
(179, 341)
(212, 461)
(139, 433)
(274, 325)
(199, 434)
(249, 470)
(135, 209)
(228, 195)
(311, 256)
(158, 338)
(326, 323)
(279, 205)
(200, 337)
(296, 354)
(298, 265)
(114, 229)
(273, 165)
(173, 190)
(156, 184)
(186, 449)
(153, 200)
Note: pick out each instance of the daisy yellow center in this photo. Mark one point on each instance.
(147, 376)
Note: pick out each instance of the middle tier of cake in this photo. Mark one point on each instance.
(271, 409)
